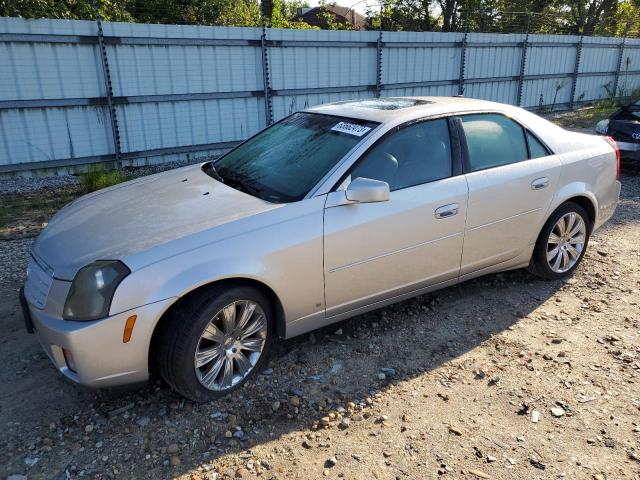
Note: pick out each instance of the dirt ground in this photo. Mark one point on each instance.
(503, 377)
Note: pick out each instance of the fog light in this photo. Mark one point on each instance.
(68, 358)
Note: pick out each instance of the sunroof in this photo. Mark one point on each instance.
(387, 103)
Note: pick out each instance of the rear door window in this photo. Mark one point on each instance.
(493, 140)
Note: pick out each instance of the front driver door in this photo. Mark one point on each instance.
(376, 251)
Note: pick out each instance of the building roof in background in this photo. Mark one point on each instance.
(313, 16)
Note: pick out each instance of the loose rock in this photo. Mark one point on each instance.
(331, 462)
(173, 448)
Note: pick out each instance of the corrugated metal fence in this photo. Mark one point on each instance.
(143, 93)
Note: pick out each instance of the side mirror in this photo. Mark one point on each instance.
(367, 190)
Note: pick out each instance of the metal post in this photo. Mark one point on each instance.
(523, 64)
(576, 72)
(620, 59)
(379, 63)
(268, 104)
(109, 88)
(463, 63)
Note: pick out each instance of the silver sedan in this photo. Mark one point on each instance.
(329, 213)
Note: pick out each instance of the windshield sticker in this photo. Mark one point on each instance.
(350, 128)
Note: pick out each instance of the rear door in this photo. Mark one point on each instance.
(375, 251)
(512, 178)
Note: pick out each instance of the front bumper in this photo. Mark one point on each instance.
(100, 357)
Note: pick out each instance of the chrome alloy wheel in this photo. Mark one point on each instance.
(230, 345)
(566, 242)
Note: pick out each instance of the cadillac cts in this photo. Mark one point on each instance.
(331, 212)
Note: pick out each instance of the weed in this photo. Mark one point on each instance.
(98, 179)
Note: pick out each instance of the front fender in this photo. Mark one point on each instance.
(175, 278)
(285, 254)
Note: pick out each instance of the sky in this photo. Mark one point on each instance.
(359, 6)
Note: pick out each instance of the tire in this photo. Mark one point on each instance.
(542, 266)
(183, 333)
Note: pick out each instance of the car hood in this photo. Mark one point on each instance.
(122, 220)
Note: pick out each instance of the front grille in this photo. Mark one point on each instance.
(36, 288)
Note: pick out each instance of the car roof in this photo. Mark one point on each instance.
(400, 109)
(393, 111)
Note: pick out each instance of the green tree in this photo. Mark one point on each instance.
(282, 15)
(410, 15)
(587, 15)
(195, 12)
(114, 10)
(330, 20)
(627, 19)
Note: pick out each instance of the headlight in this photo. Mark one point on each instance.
(92, 290)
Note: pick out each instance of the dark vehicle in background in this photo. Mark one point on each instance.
(623, 126)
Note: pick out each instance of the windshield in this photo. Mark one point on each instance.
(285, 161)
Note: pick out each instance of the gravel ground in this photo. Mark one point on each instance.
(502, 377)
(20, 185)
(13, 260)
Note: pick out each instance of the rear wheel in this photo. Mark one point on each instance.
(562, 242)
(215, 342)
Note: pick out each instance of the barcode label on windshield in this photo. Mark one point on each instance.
(350, 128)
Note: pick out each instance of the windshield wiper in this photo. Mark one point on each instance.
(213, 172)
(236, 181)
(241, 184)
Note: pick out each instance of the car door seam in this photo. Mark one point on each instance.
(324, 259)
(466, 219)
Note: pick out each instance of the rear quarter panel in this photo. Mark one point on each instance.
(589, 169)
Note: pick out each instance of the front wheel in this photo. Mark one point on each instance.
(562, 242)
(215, 342)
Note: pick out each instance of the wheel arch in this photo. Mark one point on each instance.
(584, 200)
(541, 267)
(586, 203)
(278, 309)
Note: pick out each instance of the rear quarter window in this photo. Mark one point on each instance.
(536, 149)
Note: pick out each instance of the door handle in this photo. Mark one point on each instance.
(540, 183)
(446, 211)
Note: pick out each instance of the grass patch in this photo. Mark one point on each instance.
(38, 207)
(33, 207)
(98, 179)
(587, 117)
